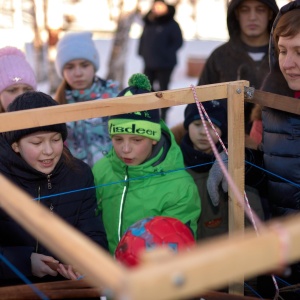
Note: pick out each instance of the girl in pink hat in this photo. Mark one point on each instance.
(16, 76)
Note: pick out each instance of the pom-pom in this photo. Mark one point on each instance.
(11, 51)
(140, 81)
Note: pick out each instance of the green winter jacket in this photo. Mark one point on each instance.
(159, 186)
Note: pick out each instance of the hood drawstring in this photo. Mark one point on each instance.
(125, 188)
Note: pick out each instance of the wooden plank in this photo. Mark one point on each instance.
(78, 289)
(236, 166)
(106, 107)
(213, 263)
(279, 102)
(68, 244)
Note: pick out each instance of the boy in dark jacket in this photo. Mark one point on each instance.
(199, 157)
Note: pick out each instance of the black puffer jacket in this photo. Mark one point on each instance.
(160, 40)
(281, 139)
(77, 208)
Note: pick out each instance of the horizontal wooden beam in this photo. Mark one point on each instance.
(106, 107)
(279, 102)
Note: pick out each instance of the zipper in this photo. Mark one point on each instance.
(49, 182)
(125, 188)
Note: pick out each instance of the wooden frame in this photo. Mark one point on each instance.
(210, 265)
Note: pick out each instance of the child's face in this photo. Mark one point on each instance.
(199, 138)
(79, 74)
(8, 95)
(289, 60)
(132, 149)
(41, 150)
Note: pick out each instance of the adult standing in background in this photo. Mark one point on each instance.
(158, 46)
(245, 55)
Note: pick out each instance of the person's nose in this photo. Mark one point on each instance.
(289, 62)
(47, 148)
(77, 71)
(126, 148)
(202, 130)
(252, 14)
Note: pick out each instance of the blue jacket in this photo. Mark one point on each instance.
(281, 139)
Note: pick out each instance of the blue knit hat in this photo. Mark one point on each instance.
(216, 111)
(145, 123)
(76, 46)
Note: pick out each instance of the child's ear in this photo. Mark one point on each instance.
(154, 142)
(15, 147)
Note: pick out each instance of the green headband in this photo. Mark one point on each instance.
(147, 129)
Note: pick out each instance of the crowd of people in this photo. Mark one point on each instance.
(138, 152)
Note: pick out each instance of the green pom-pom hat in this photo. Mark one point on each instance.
(137, 84)
(145, 123)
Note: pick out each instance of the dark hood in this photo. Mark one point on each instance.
(273, 57)
(233, 24)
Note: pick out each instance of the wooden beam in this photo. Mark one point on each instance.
(279, 102)
(62, 239)
(215, 262)
(236, 167)
(106, 107)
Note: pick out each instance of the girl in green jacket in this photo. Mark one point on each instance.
(143, 175)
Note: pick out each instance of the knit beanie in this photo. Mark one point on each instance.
(216, 111)
(14, 69)
(30, 100)
(76, 46)
(145, 123)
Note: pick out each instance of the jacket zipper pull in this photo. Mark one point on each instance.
(49, 182)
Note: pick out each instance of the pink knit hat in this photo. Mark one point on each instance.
(14, 69)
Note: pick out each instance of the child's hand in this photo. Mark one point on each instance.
(215, 178)
(40, 267)
(68, 272)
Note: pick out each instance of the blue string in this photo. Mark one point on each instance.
(133, 179)
(24, 278)
(159, 174)
(122, 181)
(275, 175)
(252, 290)
(288, 284)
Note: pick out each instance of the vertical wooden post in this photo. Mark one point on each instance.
(236, 166)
